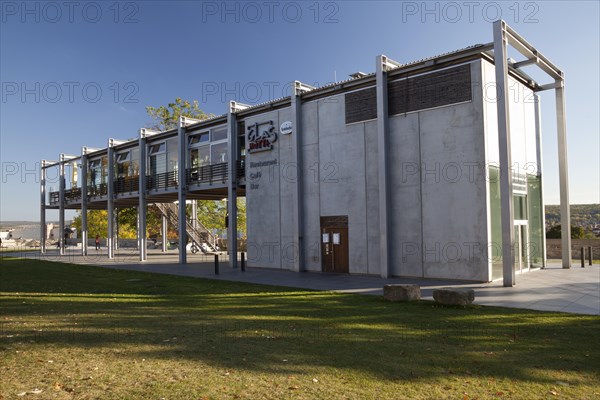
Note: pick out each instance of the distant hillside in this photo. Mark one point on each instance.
(585, 215)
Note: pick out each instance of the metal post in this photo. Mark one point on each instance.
(110, 200)
(243, 261)
(232, 185)
(84, 201)
(181, 190)
(582, 257)
(506, 189)
(298, 194)
(43, 207)
(590, 254)
(61, 205)
(216, 264)
(142, 206)
(382, 149)
(563, 173)
(163, 231)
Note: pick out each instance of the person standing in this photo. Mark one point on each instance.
(97, 242)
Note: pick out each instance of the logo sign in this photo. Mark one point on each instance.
(286, 128)
(261, 136)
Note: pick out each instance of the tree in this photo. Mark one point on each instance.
(165, 118)
(577, 232)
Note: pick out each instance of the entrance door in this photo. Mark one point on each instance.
(334, 244)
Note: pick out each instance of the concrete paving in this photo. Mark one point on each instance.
(575, 290)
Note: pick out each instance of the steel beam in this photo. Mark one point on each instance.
(506, 188)
(382, 63)
(563, 174)
(298, 194)
(181, 190)
(232, 184)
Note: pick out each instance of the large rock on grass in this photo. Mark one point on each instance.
(454, 297)
(401, 292)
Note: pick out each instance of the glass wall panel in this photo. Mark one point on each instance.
(218, 153)
(172, 150)
(535, 221)
(495, 248)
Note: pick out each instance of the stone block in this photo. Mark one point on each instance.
(401, 292)
(454, 297)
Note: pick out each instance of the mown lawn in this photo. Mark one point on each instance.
(80, 332)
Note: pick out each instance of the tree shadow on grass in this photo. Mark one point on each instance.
(254, 327)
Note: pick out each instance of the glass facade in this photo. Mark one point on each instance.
(535, 221)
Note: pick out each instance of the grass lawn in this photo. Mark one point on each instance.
(81, 332)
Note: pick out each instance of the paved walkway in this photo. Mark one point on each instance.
(575, 290)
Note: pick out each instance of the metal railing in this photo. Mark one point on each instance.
(163, 180)
(98, 190)
(70, 196)
(214, 173)
(127, 184)
(200, 236)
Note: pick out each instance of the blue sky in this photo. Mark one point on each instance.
(75, 75)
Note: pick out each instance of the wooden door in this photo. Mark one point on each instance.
(334, 244)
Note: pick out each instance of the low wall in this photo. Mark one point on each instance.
(554, 248)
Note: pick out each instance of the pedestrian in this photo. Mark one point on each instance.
(97, 242)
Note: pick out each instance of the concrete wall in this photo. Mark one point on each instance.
(554, 249)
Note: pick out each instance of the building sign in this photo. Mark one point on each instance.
(261, 136)
(286, 128)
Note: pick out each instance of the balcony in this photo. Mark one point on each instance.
(210, 174)
(128, 184)
(165, 180)
(71, 195)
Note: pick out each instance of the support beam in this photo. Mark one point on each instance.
(110, 199)
(298, 194)
(232, 184)
(382, 65)
(563, 174)
(181, 190)
(61, 205)
(84, 201)
(540, 169)
(506, 188)
(142, 206)
(43, 207)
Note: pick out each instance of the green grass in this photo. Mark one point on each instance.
(86, 332)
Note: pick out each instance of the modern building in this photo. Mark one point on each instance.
(415, 170)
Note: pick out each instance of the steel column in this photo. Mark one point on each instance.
(232, 185)
(563, 173)
(298, 194)
(142, 206)
(43, 207)
(84, 201)
(61, 205)
(539, 158)
(506, 188)
(382, 148)
(181, 190)
(110, 201)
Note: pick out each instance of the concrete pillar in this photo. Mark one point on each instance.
(563, 173)
(61, 205)
(43, 207)
(298, 194)
(232, 185)
(84, 201)
(142, 206)
(110, 200)
(383, 167)
(181, 190)
(506, 188)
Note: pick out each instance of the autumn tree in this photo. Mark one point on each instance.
(165, 118)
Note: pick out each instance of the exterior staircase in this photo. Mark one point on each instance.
(201, 237)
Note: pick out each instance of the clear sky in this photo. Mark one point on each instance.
(74, 74)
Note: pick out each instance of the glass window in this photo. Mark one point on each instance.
(218, 153)
(199, 138)
(200, 156)
(519, 207)
(157, 148)
(219, 134)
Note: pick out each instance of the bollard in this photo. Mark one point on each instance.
(590, 254)
(243, 261)
(583, 257)
(216, 264)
